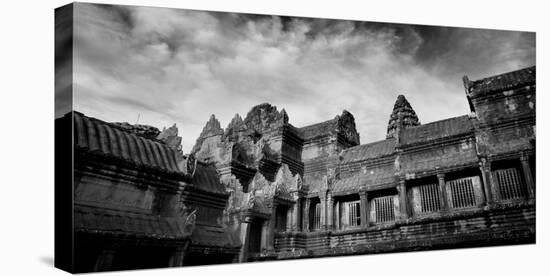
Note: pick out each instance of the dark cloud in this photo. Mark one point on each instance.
(181, 66)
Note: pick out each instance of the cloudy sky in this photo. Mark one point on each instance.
(179, 66)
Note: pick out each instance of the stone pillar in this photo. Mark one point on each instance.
(402, 190)
(323, 206)
(245, 238)
(289, 218)
(271, 228)
(529, 178)
(176, 259)
(330, 211)
(337, 219)
(264, 244)
(364, 209)
(305, 217)
(443, 192)
(105, 260)
(487, 178)
(296, 215)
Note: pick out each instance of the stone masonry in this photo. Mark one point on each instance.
(263, 189)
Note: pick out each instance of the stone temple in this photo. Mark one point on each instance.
(263, 189)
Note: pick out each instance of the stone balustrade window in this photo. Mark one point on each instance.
(462, 192)
(426, 198)
(383, 209)
(510, 184)
(350, 214)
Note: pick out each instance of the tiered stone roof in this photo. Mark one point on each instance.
(343, 124)
(312, 131)
(502, 82)
(368, 151)
(436, 130)
(402, 116)
(111, 140)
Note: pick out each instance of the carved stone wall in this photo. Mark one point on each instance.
(264, 161)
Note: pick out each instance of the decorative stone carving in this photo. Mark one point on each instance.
(397, 163)
(146, 131)
(235, 126)
(329, 179)
(260, 192)
(284, 181)
(212, 128)
(259, 149)
(298, 182)
(236, 198)
(251, 201)
(240, 155)
(332, 175)
(482, 140)
(261, 186)
(324, 184)
(190, 165)
(188, 218)
(402, 116)
(265, 116)
(346, 126)
(170, 137)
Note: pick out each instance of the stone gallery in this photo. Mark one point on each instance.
(262, 189)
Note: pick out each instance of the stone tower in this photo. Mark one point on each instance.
(402, 116)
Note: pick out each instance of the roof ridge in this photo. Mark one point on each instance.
(114, 125)
(439, 121)
(316, 124)
(370, 144)
(506, 73)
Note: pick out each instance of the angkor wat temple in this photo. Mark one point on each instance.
(263, 189)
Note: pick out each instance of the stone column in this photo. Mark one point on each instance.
(105, 260)
(487, 178)
(364, 209)
(402, 190)
(337, 219)
(330, 211)
(323, 218)
(443, 192)
(529, 178)
(264, 244)
(296, 215)
(176, 259)
(289, 218)
(245, 238)
(271, 228)
(305, 217)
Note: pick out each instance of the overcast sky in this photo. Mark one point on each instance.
(179, 66)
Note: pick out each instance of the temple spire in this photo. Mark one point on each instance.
(402, 116)
(212, 127)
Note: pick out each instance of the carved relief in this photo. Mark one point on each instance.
(212, 128)
(170, 137)
(190, 165)
(482, 139)
(235, 126)
(285, 182)
(265, 116)
(262, 191)
(346, 127)
(298, 182)
(187, 218)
